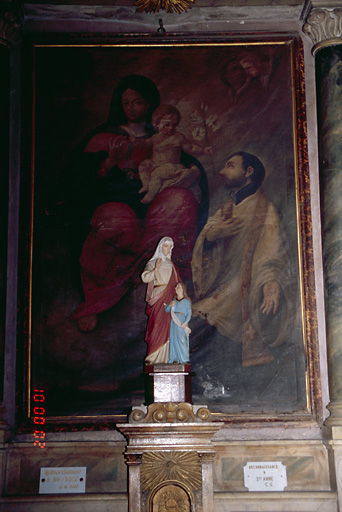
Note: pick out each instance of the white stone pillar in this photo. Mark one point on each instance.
(207, 460)
(133, 461)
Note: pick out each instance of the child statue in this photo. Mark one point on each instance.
(180, 309)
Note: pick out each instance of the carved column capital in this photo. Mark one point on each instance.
(133, 459)
(11, 21)
(207, 457)
(324, 27)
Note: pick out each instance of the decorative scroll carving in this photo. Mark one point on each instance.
(169, 413)
(324, 25)
(158, 467)
(10, 22)
(167, 5)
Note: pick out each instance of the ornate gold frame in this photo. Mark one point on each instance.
(313, 412)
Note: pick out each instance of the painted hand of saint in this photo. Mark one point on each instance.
(271, 297)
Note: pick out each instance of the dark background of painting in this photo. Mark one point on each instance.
(102, 372)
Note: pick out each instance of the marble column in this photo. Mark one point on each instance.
(8, 30)
(324, 26)
(4, 178)
(325, 29)
(10, 23)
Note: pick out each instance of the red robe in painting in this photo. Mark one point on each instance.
(122, 235)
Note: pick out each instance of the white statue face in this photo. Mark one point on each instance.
(166, 248)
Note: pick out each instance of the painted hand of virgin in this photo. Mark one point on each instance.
(117, 147)
(271, 297)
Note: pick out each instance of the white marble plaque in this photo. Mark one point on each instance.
(265, 476)
(62, 480)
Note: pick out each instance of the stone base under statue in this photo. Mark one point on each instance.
(168, 383)
(169, 451)
(170, 457)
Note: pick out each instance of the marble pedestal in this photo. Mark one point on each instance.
(169, 451)
(170, 457)
(168, 383)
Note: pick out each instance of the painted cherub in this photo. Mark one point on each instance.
(164, 168)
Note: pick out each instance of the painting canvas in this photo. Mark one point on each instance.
(97, 217)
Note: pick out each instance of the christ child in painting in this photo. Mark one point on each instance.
(180, 309)
(164, 169)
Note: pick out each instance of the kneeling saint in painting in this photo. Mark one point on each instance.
(240, 265)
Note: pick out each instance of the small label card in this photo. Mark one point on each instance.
(62, 480)
(265, 476)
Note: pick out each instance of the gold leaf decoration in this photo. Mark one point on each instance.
(204, 414)
(167, 5)
(137, 415)
(158, 467)
(173, 500)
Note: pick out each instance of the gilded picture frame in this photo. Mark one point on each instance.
(237, 94)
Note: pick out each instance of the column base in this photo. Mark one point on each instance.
(335, 418)
(5, 429)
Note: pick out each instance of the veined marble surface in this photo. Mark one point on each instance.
(329, 73)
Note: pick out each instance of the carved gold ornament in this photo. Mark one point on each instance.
(172, 500)
(159, 467)
(169, 412)
(167, 5)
